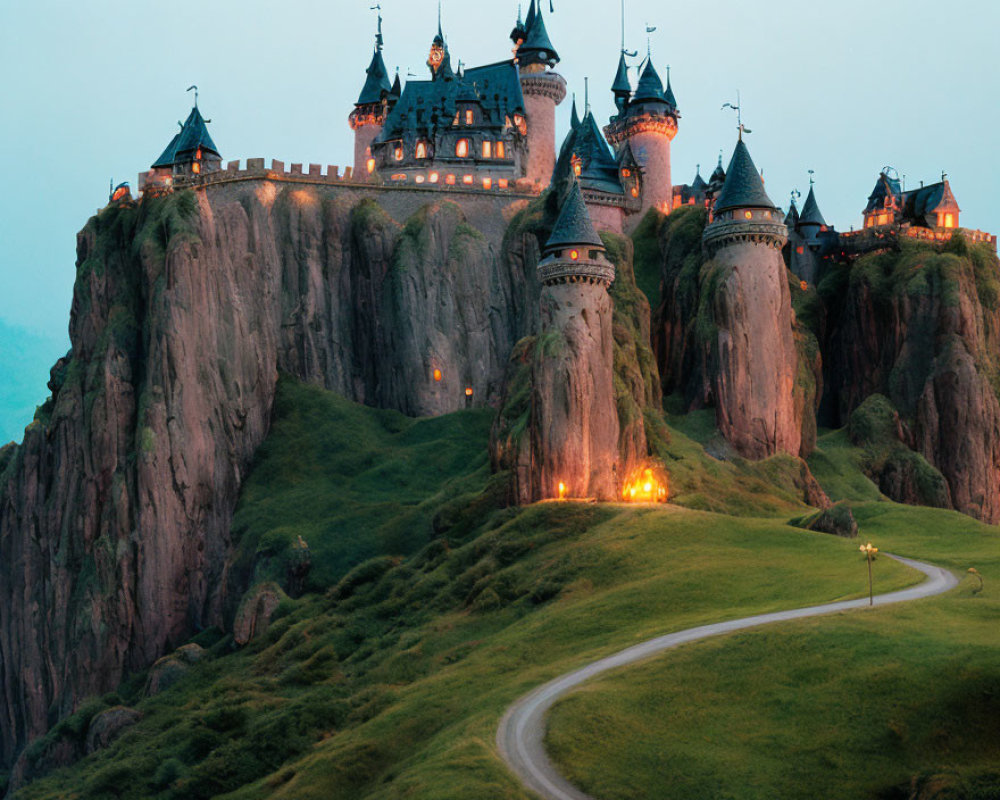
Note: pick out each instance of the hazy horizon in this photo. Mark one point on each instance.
(96, 91)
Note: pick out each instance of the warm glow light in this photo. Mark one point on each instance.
(434, 177)
(562, 490)
(450, 180)
(421, 150)
(468, 391)
(883, 219)
(470, 117)
(487, 183)
(800, 249)
(420, 179)
(635, 191)
(462, 148)
(626, 173)
(196, 168)
(501, 150)
(437, 376)
(504, 183)
(574, 255)
(646, 486)
(198, 154)
(748, 214)
(371, 165)
(487, 149)
(468, 180)
(804, 286)
(399, 153)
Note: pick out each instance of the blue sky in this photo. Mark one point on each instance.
(93, 90)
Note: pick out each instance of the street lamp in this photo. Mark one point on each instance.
(870, 552)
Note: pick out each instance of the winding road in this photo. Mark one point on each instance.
(521, 736)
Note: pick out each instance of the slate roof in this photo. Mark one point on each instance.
(792, 217)
(719, 176)
(650, 88)
(810, 211)
(182, 147)
(425, 106)
(574, 118)
(668, 94)
(744, 187)
(537, 42)
(929, 200)
(574, 225)
(376, 83)
(698, 184)
(884, 187)
(599, 170)
(621, 84)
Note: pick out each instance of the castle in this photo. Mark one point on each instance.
(489, 132)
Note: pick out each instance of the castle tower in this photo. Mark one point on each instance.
(575, 419)
(648, 123)
(755, 351)
(805, 239)
(543, 90)
(190, 152)
(369, 113)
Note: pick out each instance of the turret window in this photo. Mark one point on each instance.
(462, 148)
(748, 214)
(371, 165)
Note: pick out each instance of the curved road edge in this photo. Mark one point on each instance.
(521, 735)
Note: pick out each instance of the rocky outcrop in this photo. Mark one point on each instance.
(921, 327)
(725, 337)
(115, 512)
(109, 725)
(255, 612)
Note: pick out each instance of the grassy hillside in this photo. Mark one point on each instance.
(389, 681)
(866, 705)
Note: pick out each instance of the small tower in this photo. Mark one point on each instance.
(370, 111)
(805, 239)
(575, 418)
(543, 90)
(622, 88)
(648, 123)
(757, 358)
(190, 152)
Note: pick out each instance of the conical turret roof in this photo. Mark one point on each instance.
(744, 187)
(574, 119)
(668, 93)
(719, 176)
(397, 87)
(621, 84)
(537, 47)
(574, 226)
(183, 147)
(650, 88)
(792, 217)
(810, 211)
(377, 81)
(698, 184)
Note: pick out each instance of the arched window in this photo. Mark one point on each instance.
(421, 149)
(462, 148)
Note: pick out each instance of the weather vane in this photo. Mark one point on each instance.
(650, 29)
(625, 52)
(195, 88)
(812, 181)
(738, 108)
(379, 41)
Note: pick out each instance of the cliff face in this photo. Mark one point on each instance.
(922, 328)
(725, 337)
(115, 512)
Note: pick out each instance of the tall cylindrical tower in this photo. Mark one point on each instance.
(543, 90)
(575, 422)
(370, 111)
(755, 357)
(648, 123)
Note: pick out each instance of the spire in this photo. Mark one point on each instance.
(621, 86)
(574, 120)
(520, 31)
(650, 88)
(192, 137)
(698, 184)
(668, 93)
(440, 35)
(810, 211)
(537, 47)
(530, 21)
(744, 187)
(574, 226)
(792, 217)
(377, 83)
(397, 86)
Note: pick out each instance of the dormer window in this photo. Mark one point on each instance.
(462, 148)
(470, 116)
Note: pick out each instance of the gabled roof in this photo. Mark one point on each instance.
(377, 83)
(744, 187)
(574, 226)
(650, 88)
(884, 187)
(184, 145)
(537, 42)
(931, 199)
(599, 170)
(622, 84)
(810, 211)
(425, 106)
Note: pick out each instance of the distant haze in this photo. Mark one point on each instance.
(94, 90)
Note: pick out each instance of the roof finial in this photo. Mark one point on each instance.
(195, 88)
(944, 176)
(586, 95)
(439, 20)
(520, 17)
(623, 26)
(812, 182)
(650, 29)
(738, 108)
(378, 36)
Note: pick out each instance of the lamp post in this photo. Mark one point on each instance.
(870, 551)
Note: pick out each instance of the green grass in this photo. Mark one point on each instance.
(391, 682)
(859, 703)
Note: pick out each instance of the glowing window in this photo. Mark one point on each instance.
(434, 177)
(626, 173)
(450, 180)
(437, 375)
(399, 177)
(767, 214)
(574, 255)
(949, 220)
(468, 391)
(198, 154)
(470, 116)
(804, 286)
(196, 168)
(462, 148)
(399, 153)
(501, 150)
(371, 165)
(635, 192)
(504, 183)
(748, 214)
(420, 179)
(883, 219)
(487, 183)
(421, 150)
(487, 149)
(800, 250)
(468, 180)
